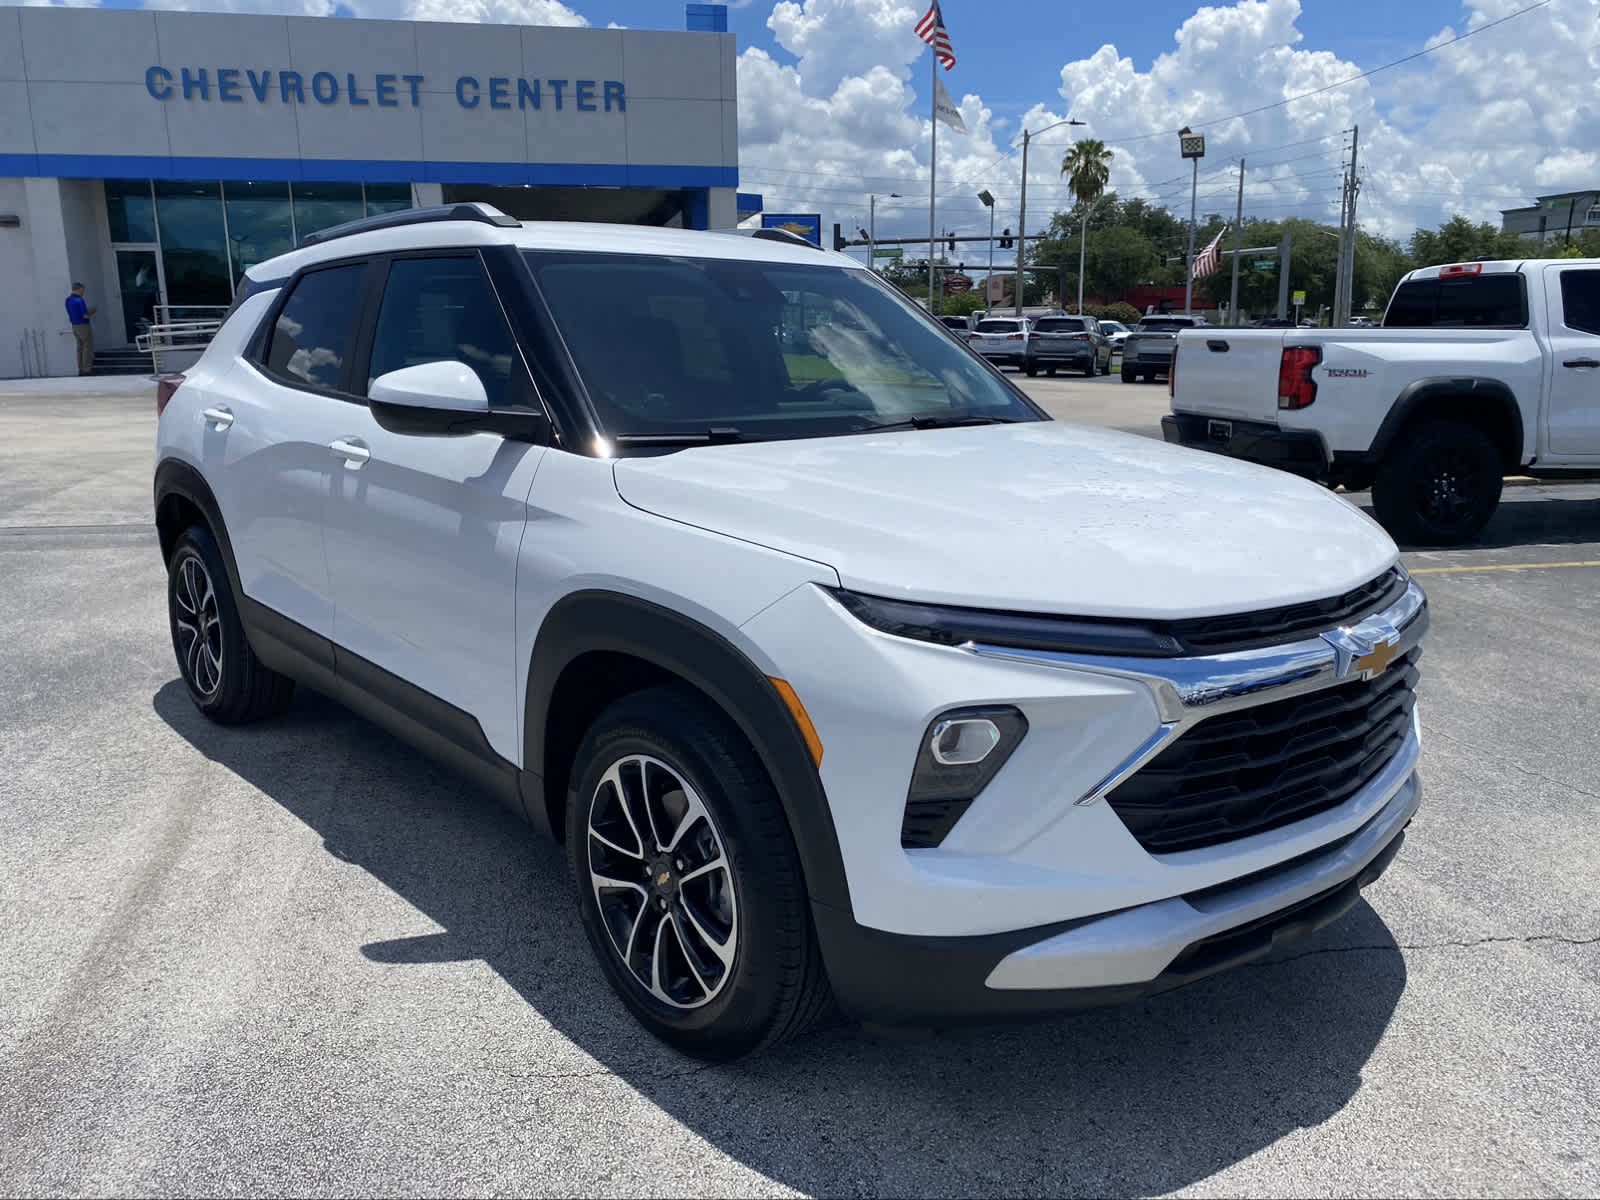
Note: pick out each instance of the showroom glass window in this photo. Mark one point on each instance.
(258, 223)
(131, 210)
(194, 249)
(321, 205)
(441, 310)
(311, 338)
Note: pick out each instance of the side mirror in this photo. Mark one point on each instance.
(444, 398)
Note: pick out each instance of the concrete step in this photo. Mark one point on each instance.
(123, 362)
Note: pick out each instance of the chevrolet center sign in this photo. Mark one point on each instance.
(241, 85)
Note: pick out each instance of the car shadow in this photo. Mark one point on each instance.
(1132, 1100)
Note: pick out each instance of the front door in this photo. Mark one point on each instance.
(423, 532)
(1572, 414)
(139, 282)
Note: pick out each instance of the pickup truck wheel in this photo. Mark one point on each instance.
(224, 678)
(688, 881)
(1440, 486)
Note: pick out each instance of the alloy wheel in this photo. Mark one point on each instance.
(199, 625)
(662, 881)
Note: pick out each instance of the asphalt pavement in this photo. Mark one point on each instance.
(298, 958)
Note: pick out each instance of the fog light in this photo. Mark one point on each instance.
(962, 742)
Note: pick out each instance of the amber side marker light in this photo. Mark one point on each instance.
(801, 717)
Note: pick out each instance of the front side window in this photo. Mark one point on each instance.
(679, 346)
(1580, 300)
(311, 338)
(443, 309)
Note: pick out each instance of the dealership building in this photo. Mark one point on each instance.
(156, 155)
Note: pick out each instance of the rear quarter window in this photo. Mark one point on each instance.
(1476, 302)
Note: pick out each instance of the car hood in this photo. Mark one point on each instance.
(1042, 517)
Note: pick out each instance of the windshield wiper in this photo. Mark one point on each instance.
(716, 434)
(937, 423)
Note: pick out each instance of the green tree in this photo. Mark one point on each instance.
(1087, 167)
(1459, 240)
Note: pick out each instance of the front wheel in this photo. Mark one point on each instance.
(1440, 486)
(689, 883)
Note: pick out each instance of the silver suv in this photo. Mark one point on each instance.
(1002, 340)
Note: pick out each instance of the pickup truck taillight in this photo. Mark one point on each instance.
(1296, 388)
(165, 387)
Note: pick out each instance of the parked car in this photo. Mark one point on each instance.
(961, 326)
(1116, 333)
(1481, 370)
(841, 670)
(1064, 342)
(1147, 351)
(1002, 340)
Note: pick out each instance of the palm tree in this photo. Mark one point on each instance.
(1088, 169)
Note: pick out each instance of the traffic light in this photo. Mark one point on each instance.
(952, 245)
(1006, 241)
(838, 237)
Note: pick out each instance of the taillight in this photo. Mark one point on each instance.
(165, 387)
(1080, 337)
(1172, 374)
(1296, 388)
(1014, 337)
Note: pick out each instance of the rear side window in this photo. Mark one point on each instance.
(1580, 300)
(311, 338)
(1478, 301)
(1059, 325)
(440, 310)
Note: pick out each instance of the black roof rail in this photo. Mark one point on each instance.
(476, 210)
(783, 235)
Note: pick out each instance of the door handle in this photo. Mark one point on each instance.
(1582, 362)
(1217, 346)
(352, 451)
(220, 417)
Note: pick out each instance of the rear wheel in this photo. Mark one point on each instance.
(1106, 370)
(689, 884)
(1092, 367)
(225, 679)
(1031, 370)
(1050, 371)
(1440, 486)
(1129, 375)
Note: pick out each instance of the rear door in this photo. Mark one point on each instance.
(1572, 407)
(423, 531)
(266, 443)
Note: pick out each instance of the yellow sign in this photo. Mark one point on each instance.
(1299, 297)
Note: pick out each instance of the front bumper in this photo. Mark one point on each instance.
(1298, 451)
(1113, 958)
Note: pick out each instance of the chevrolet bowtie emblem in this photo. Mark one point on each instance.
(1366, 651)
(1375, 660)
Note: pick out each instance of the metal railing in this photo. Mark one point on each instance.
(180, 329)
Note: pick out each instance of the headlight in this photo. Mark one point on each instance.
(956, 626)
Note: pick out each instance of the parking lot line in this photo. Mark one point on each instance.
(1503, 567)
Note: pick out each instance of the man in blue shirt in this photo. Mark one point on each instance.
(79, 312)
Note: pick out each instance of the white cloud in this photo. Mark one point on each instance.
(1472, 128)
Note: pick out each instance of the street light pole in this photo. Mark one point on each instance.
(1022, 206)
(1192, 146)
(988, 287)
(1083, 244)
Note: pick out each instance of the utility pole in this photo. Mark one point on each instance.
(1348, 299)
(1238, 234)
(1022, 219)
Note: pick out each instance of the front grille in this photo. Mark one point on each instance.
(1260, 768)
(1273, 626)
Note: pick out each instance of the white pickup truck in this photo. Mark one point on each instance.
(1480, 370)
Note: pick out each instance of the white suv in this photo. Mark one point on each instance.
(840, 668)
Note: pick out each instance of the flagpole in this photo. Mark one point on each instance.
(933, 159)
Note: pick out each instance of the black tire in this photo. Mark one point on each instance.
(1031, 370)
(1050, 371)
(775, 986)
(1129, 375)
(1091, 368)
(1439, 485)
(1106, 370)
(226, 681)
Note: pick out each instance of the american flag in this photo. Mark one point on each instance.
(931, 30)
(1205, 262)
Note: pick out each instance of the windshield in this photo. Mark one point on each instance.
(757, 350)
